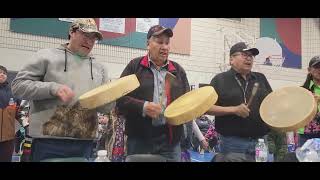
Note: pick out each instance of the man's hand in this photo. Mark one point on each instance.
(241, 110)
(153, 110)
(65, 93)
(204, 144)
(102, 119)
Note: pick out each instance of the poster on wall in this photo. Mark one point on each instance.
(115, 25)
(144, 24)
(270, 52)
(280, 42)
(67, 19)
(125, 32)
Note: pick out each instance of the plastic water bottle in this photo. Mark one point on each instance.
(270, 157)
(310, 151)
(12, 103)
(26, 154)
(290, 142)
(261, 151)
(102, 156)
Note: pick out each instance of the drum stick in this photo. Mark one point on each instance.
(170, 77)
(253, 93)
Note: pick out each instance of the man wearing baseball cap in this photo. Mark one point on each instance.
(314, 62)
(87, 29)
(312, 83)
(238, 122)
(53, 81)
(161, 82)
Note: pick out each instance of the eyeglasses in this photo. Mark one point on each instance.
(91, 36)
(245, 55)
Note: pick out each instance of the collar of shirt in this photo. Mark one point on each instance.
(313, 84)
(249, 76)
(65, 46)
(153, 65)
(315, 89)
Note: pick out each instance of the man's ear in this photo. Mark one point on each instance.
(230, 60)
(309, 69)
(148, 44)
(72, 31)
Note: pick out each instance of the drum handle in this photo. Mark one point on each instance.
(254, 92)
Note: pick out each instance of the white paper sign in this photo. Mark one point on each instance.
(116, 25)
(144, 24)
(67, 19)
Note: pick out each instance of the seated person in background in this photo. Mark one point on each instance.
(191, 128)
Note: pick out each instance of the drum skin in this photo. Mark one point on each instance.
(109, 92)
(191, 105)
(288, 108)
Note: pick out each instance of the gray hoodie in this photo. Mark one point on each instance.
(39, 80)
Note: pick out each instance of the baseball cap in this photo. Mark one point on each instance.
(87, 25)
(157, 30)
(242, 47)
(314, 61)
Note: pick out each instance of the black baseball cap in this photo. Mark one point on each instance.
(157, 30)
(242, 47)
(314, 61)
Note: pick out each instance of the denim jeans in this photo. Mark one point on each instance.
(242, 148)
(238, 144)
(43, 148)
(159, 145)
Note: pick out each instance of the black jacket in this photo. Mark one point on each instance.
(131, 106)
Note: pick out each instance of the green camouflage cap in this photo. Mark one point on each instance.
(87, 25)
